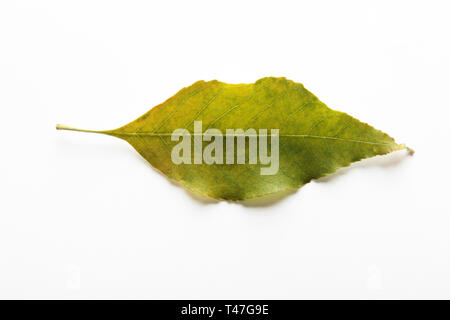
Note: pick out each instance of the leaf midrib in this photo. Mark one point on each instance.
(164, 134)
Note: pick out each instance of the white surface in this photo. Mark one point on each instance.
(83, 216)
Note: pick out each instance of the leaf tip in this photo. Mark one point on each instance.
(410, 151)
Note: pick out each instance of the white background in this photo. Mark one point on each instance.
(83, 216)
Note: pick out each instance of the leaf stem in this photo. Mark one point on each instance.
(64, 127)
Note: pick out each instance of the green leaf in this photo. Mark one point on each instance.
(314, 140)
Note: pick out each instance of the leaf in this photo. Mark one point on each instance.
(313, 139)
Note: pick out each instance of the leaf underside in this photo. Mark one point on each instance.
(314, 140)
